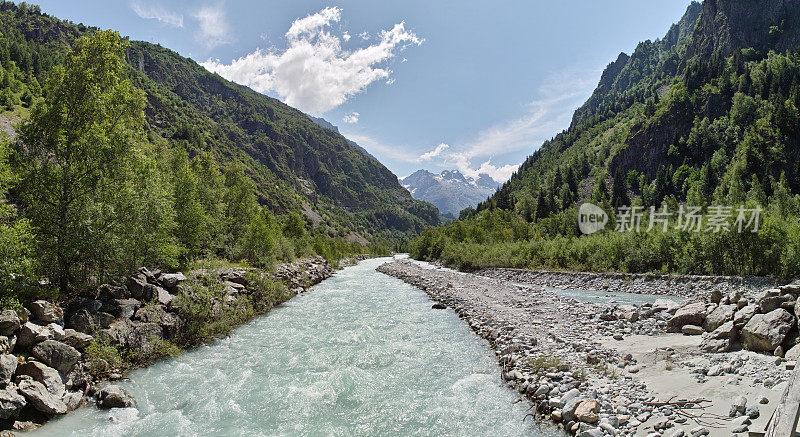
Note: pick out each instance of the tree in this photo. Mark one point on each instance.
(74, 153)
(619, 191)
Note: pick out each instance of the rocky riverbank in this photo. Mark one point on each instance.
(615, 369)
(688, 286)
(55, 357)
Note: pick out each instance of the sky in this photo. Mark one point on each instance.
(436, 84)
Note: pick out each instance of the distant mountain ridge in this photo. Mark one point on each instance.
(450, 191)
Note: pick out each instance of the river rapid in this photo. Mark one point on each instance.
(360, 354)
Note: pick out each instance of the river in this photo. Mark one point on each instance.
(360, 354)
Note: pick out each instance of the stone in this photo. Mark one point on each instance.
(738, 407)
(718, 317)
(752, 411)
(7, 344)
(765, 332)
(126, 308)
(48, 376)
(137, 336)
(78, 340)
(593, 432)
(439, 306)
(30, 334)
(36, 393)
(11, 402)
(8, 366)
(171, 280)
(770, 303)
(163, 297)
(73, 400)
(46, 311)
(111, 292)
(136, 284)
(56, 331)
(690, 314)
(715, 370)
(57, 355)
(700, 431)
(9, 322)
(570, 406)
(744, 315)
(716, 296)
(587, 411)
(793, 287)
(692, 330)
(113, 396)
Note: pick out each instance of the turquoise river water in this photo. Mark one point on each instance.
(360, 354)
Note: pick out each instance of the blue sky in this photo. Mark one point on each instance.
(472, 85)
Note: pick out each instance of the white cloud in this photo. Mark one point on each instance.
(213, 26)
(376, 146)
(314, 73)
(434, 153)
(543, 118)
(157, 12)
(351, 118)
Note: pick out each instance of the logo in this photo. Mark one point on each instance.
(591, 218)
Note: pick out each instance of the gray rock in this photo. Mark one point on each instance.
(11, 402)
(113, 396)
(57, 355)
(78, 340)
(699, 432)
(690, 314)
(752, 412)
(765, 332)
(744, 315)
(9, 322)
(126, 308)
(48, 376)
(738, 407)
(36, 393)
(30, 334)
(163, 297)
(111, 292)
(8, 365)
(171, 280)
(136, 284)
(715, 346)
(692, 330)
(7, 344)
(46, 311)
(73, 400)
(719, 316)
(592, 432)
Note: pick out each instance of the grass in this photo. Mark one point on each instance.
(545, 363)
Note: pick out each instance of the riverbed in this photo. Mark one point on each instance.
(361, 353)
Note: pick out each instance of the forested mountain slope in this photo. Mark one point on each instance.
(706, 116)
(293, 161)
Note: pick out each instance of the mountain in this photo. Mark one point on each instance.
(296, 164)
(708, 115)
(450, 191)
(328, 125)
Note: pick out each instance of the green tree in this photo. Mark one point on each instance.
(74, 154)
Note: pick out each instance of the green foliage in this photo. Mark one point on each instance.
(74, 157)
(102, 357)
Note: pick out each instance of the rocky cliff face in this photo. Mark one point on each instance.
(728, 25)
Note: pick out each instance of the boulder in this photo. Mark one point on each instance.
(73, 400)
(716, 296)
(48, 376)
(793, 354)
(137, 336)
(587, 411)
(30, 334)
(692, 330)
(719, 316)
(57, 355)
(113, 396)
(163, 297)
(690, 314)
(40, 398)
(171, 280)
(11, 402)
(765, 332)
(793, 287)
(81, 321)
(9, 322)
(136, 284)
(56, 331)
(7, 344)
(744, 315)
(715, 346)
(8, 365)
(111, 292)
(46, 311)
(125, 308)
(78, 340)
